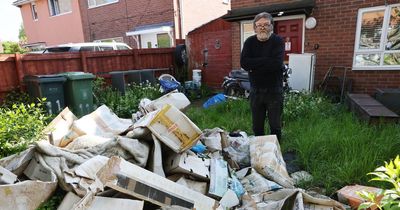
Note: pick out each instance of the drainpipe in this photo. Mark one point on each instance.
(179, 7)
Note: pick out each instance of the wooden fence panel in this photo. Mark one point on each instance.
(14, 67)
(8, 74)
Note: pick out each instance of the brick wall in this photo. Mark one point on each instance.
(335, 36)
(114, 20)
(214, 36)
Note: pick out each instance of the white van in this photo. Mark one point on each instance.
(88, 46)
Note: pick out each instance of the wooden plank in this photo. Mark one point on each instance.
(369, 109)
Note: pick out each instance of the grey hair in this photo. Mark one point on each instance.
(265, 15)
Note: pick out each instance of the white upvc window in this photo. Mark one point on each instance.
(97, 3)
(34, 11)
(377, 44)
(246, 30)
(58, 7)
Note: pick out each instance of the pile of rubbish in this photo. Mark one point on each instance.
(159, 159)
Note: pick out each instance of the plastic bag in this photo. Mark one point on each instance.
(169, 85)
(219, 98)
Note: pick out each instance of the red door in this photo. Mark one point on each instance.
(292, 33)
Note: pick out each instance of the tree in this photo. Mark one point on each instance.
(22, 35)
(12, 47)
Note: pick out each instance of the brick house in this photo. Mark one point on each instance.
(140, 23)
(362, 35)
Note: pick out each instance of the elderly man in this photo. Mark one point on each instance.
(262, 56)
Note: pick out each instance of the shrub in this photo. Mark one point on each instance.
(299, 105)
(389, 198)
(124, 105)
(20, 126)
(15, 97)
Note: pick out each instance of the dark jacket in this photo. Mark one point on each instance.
(264, 62)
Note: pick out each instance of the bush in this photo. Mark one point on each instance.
(15, 97)
(20, 126)
(123, 105)
(389, 198)
(299, 105)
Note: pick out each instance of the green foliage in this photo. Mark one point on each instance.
(12, 47)
(123, 105)
(230, 116)
(195, 94)
(54, 201)
(299, 105)
(334, 146)
(22, 35)
(20, 126)
(337, 148)
(388, 199)
(15, 97)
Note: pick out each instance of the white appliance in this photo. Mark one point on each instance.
(302, 77)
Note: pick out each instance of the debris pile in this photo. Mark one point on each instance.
(159, 159)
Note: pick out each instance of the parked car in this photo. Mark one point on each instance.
(89, 46)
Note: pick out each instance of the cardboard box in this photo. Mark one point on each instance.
(6, 176)
(177, 99)
(348, 195)
(218, 179)
(59, 126)
(38, 171)
(133, 180)
(74, 202)
(188, 164)
(173, 128)
(26, 195)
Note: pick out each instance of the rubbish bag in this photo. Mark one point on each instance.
(219, 98)
(169, 85)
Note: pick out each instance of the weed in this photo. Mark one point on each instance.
(20, 126)
(389, 198)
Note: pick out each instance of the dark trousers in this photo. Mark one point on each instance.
(263, 103)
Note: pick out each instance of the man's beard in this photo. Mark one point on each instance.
(263, 36)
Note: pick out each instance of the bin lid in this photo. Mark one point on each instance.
(44, 78)
(77, 75)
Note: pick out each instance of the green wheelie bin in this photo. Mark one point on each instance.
(79, 92)
(49, 87)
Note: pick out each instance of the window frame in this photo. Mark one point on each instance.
(242, 40)
(35, 16)
(56, 11)
(381, 50)
(159, 35)
(100, 5)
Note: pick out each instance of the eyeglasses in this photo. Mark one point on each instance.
(263, 25)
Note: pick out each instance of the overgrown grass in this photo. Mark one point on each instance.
(230, 116)
(330, 143)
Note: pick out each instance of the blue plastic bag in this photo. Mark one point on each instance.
(198, 148)
(219, 98)
(169, 85)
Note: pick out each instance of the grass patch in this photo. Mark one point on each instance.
(330, 142)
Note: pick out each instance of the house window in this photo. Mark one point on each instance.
(34, 11)
(163, 40)
(58, 7)
(96, 3)
(378, 38)
(247, 30)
